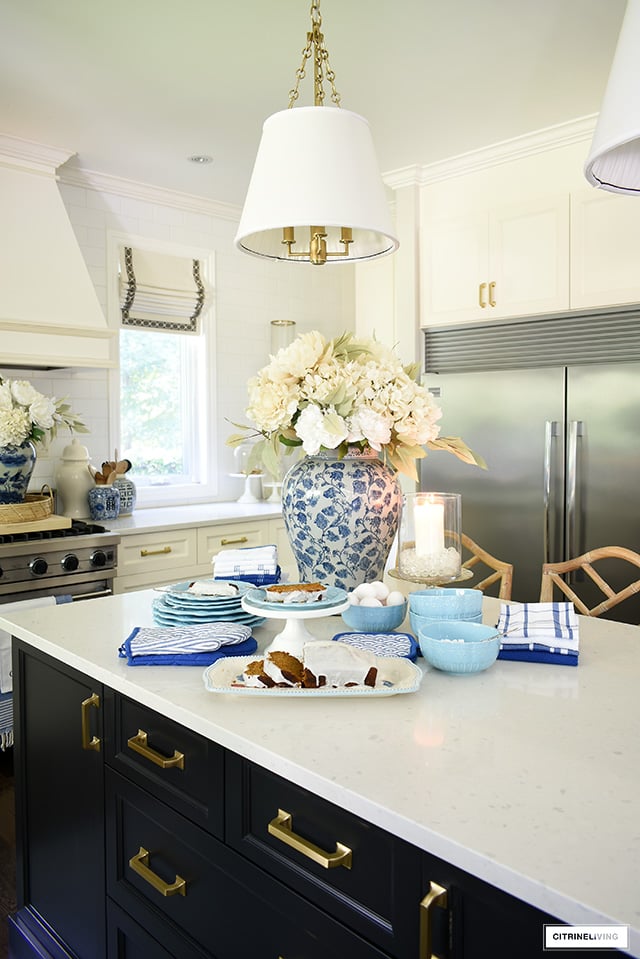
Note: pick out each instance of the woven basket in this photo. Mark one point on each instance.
(35, 506)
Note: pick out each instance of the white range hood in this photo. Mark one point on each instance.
(50, 315)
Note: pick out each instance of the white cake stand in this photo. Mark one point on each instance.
(295, 634)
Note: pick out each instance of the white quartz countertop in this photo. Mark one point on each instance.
(197, 514)
(526, 775)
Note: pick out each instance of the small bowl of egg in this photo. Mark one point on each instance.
(373, 608)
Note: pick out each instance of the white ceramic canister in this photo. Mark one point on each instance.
(73, 481)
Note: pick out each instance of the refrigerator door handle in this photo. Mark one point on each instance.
(550, 433)
(573, 507)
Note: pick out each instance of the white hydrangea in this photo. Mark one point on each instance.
(26, 414)
(15, 426)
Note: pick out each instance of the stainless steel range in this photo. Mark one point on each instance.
(80, 561)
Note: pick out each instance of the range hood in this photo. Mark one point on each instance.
(50, 315)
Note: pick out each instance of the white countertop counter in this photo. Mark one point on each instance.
(197, 514)
(526, 775)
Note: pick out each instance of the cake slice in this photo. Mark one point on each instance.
(295, 592)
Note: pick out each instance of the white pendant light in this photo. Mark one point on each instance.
(614, 161)
(316, 195)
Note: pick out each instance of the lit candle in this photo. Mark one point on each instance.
(429, 525)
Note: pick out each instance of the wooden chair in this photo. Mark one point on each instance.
(552, 574)
(503, 572)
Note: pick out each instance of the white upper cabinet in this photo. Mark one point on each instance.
(514, 231)
(512, 260)
(605, 249)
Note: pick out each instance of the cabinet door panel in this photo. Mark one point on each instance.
(605, 249)
(454, 264)
(529, 257)
(59, 790)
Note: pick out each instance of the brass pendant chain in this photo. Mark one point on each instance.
(322, 67)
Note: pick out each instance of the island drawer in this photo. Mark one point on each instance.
(176, 764)
(157, 552)
(229, 908)
(359, 873)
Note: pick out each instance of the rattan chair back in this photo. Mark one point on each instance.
(553, 573)
(502, 572)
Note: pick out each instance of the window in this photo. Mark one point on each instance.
(159, 406)
(165, 386)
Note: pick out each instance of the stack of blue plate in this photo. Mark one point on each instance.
(177, 606)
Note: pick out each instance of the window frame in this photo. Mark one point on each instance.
(204, 431)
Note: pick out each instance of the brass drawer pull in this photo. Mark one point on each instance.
(140, 744)
(437, 896)
(89, 741)
(281, 828)
(155, 552)
(492, 293)
(140, 864)
(230, 542)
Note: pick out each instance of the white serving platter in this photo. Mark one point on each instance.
(395, 676)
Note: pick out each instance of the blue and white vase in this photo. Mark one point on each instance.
(128, 494)
(341, 517)
(16, 467)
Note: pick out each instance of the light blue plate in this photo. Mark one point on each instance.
(334, 596)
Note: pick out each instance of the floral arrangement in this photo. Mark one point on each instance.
(333, 395)
(26, 414)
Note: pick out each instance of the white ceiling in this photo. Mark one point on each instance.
(136, 86)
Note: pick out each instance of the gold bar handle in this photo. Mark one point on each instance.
(282, 828)
(140, 744)
(155, 552)
(437, 896)
(481, 291)
(140, 865)
(231, 542)
(492, 293)
(89, 741)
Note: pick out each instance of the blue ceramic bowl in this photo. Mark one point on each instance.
(446, 603)
(375, 619)
(419, 622)
(459, 647)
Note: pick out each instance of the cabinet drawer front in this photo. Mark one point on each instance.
(153, 552)
(230, 908)
(174, 763)
(212, 539)
(370, 889)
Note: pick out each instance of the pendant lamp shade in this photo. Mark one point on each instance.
(316, 168)
(614, 161)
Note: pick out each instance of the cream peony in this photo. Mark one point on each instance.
(319, 395)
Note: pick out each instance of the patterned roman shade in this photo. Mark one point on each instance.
(159, 291)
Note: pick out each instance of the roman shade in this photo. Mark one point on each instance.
(159, 291)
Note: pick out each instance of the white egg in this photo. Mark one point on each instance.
(370, 601)
(364, 589)
(380, 591)
(395, 598)
(353, 599)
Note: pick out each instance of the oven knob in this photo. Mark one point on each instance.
(98, 558)
(69, 563)
(38, 566)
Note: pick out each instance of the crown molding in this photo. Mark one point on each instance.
(37, 157)
(549, 138)
(133, 189)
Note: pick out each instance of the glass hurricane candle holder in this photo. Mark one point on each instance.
(429, 537)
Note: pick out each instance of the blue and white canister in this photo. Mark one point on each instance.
(104, 503)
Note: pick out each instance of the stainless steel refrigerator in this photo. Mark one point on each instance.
(562, 444)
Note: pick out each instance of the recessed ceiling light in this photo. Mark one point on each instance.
(200, 158)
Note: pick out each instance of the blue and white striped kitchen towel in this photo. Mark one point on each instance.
(186, 645)
(539, 632)
(253, 564)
